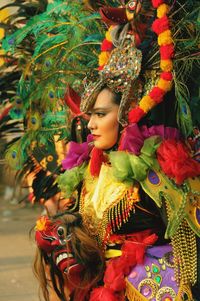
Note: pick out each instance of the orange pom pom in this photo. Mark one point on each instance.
(166, 65)
(147, 103)
(162, 10)
(164, 85)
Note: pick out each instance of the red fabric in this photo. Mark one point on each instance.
(117, 269)
(97, 159)
(72, 100)
(140, 33)
(106, 45)
(156, 3)
(175, 161)
(132, 253)
(113, 15)
(157, 94)
(166, 51)
(103, 294)
(160, 25)
(167, 76)
(135, 115)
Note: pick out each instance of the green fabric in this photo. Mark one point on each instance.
(129, 167)
(70, 179)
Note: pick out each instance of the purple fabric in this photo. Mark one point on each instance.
(133, 137)
(159, 251)
(77, 153)
(139, 273)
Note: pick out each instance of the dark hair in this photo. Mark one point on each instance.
(116, 99)
(117, 96)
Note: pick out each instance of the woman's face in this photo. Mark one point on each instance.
(103, 122)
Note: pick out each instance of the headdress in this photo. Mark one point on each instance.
(122, 69)
(119, 74)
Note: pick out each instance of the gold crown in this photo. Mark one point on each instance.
(119, 74)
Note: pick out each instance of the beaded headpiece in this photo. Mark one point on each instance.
(119, 74)
(110, 61)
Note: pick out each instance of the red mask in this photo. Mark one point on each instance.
(53, 239)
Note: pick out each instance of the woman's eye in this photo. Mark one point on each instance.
(100, 114)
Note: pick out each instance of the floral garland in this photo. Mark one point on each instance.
(162, 28)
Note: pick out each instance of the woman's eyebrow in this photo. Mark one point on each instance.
(101, 109)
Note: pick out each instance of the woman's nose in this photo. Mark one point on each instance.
(91, 124)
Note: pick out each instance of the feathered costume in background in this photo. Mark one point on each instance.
(12, 17)
(64, 40)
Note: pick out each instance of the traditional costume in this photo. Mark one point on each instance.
(140, 200)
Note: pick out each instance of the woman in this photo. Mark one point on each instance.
(128, 225)
(137, 187)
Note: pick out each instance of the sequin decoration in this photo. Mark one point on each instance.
(166, 294)
(148, 288)
(198, 215)
(153, 177)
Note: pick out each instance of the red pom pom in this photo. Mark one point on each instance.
(166, 51)
(103, 294)
(135, 115)
(157, 94)
(101, 67)
(160, 25)
(166, 76)
(96, 161)
(106, 45)
(156, 3)
(175, 161)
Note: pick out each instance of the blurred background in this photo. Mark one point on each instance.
(17, 214)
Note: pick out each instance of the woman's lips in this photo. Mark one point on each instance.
(96, 136)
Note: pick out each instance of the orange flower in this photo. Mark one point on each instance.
(162, 10)
(165, 38)
(164, 85)
(147, 103)
(166, 65)
(41, 223)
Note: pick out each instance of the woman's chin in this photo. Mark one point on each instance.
(103, 146)
(98, 145)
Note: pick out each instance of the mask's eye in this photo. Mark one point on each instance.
(132, 5)
(61, 232)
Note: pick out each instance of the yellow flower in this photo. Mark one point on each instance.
(108, 35)
(103, 57)
(165, 38)
(165, 85)
(41, 223)
(147, 103)
(166, 65)
(4, 14)
(2, 33)
(162, 10)
(2, 60)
